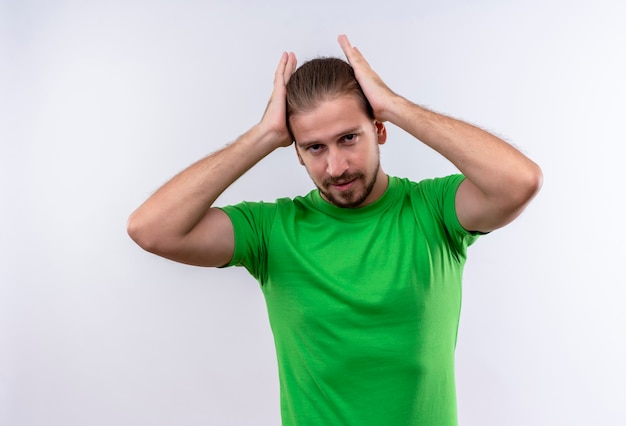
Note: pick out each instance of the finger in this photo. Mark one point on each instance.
(344, 42)
(353, 54)
(345, 45)
(290, 67)
(280, 69)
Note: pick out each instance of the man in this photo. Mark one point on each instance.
(362, 277)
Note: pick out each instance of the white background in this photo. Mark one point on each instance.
(102, 102)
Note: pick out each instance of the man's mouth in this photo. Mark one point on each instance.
(343, 182)
(343, 185)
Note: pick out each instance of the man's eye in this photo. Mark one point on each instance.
(350, 137)
(315, 148)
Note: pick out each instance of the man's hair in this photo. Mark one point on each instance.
(319, 80)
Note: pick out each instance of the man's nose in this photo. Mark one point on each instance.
(337, 163)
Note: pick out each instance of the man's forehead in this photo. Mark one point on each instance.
(329, 120)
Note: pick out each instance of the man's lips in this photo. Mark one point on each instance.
(342, 186)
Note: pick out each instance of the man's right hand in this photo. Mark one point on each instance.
(274, 119)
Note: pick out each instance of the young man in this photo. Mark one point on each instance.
(362, 277)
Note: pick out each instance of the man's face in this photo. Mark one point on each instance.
(338, 144)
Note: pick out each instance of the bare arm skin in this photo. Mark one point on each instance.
(178, 222)
(500, 180)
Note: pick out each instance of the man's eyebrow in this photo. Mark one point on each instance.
(356, 129)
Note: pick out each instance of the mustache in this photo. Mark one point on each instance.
(344, 178)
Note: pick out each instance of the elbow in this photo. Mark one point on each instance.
(520, 192)
(505, 203)
(523, 191)
(150, 235)
(141, 234)
(532, 183)
(134, 229)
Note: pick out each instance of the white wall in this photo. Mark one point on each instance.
(101, 102)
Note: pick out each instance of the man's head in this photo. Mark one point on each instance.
(319, 80)
(335, 133)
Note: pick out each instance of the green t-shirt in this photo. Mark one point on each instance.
(363, 303)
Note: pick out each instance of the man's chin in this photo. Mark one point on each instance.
(346, 199)
(353, 197)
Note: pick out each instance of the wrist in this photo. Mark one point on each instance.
(396, 109)
(266, 139)
(271, 137)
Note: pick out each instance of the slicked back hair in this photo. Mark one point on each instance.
(319, 80)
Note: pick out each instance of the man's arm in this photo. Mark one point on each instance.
(500, 180)
(178, 222)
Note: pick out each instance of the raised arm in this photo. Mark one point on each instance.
(178, 222)
(500, 180)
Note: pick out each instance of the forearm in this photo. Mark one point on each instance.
(492, 165)
(495, 168)
(179, 205)
(177, 222)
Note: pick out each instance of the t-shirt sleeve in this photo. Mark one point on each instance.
(441, 196)
(252, 225)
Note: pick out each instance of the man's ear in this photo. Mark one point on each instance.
(298, 153)
(381, 131)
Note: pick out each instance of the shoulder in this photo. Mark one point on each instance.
(429, 188)
(268, 209)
